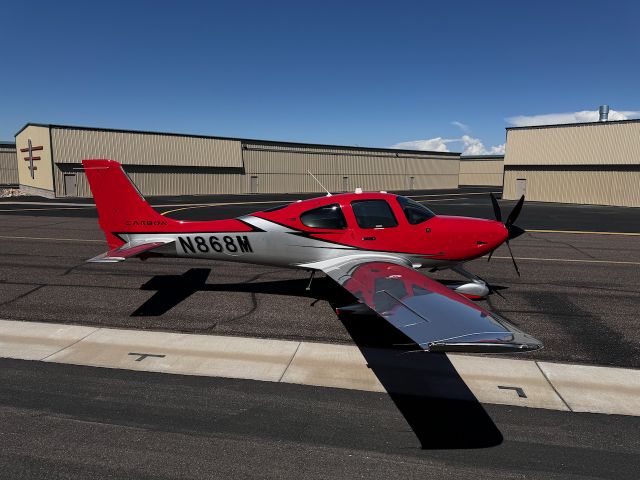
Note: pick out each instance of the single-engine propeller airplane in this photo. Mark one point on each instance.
(370, 243)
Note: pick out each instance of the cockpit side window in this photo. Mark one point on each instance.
(373, 214)
(329, 217)
(415, 212)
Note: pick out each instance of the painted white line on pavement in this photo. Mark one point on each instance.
(568, 260)
(52, 239)
(490, 379)
(36, 341)
(585, 232)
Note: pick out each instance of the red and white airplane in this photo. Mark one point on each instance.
(370, 243)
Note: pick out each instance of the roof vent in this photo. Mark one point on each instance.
(358, 190)
(604, 113)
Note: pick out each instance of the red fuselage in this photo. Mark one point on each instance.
(445, 238)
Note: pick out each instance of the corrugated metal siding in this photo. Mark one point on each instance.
(162, 180)
(292, 160)
(132, 148)
(619, 187)
(162, 164)
(297, 183)
(485, 172)
(590, 144)
(151, 183)
(8, 166)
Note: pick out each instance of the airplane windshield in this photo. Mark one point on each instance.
(414, 211)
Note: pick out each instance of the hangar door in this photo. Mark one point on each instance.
(70, 185)
(521, 187)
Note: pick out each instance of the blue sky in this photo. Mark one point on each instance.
(356, 73)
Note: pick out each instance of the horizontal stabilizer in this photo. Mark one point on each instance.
(128, 250)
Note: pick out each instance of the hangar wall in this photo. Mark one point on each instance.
(604, 187)
(174, 164)
(591, 163)
(481, 170)
(8, 168)
(38, 181)
(284, 167)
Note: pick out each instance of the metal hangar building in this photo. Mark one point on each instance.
(481, 170)
(49, 163)
(594, 163)
(8, 170)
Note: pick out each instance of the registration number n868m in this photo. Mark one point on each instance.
(215, 244)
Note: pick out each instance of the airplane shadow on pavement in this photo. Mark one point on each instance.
(425, 387)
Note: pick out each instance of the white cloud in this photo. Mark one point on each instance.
(437, 144)
(474, 146)
(568, 117)
(462, 126)
(468, 144)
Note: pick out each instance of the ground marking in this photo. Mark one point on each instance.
(611, 390)
(205, 205)
(518, 390)
(142, 356)
(568, 260)
(44, 209)
(612, 262)
(53, 239)
(50, 204)
(581, 232)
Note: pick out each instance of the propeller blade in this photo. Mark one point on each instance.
(515, 231)
(513, 216)
(496, 208)
(497, 292)
(512, 258)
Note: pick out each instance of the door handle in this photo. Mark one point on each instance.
(368, 238)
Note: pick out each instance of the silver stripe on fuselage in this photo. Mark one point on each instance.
(272, 244)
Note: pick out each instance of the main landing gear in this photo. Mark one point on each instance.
(475, 289)
(313, 274)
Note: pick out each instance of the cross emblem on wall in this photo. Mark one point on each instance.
(31, 158)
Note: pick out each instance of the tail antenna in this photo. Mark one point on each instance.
(314, 177)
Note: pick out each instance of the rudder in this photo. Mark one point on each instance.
(121, 207)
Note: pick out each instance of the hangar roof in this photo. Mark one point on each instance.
(245, 140)
(557, 125)
(470, 158)
(583, 144)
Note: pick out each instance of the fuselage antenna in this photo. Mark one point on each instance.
(314, 177)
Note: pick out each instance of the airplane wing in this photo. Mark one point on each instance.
(129, 250)
(432, 315)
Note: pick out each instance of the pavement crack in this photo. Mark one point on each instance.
(35, 289)
(566, 244)
(70, 345)
(290, 362)
(552, 386)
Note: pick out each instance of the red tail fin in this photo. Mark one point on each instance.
(121, 207)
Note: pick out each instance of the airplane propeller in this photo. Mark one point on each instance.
(513, 230)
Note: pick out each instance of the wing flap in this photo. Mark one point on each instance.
(128, 250)
(430, 314)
